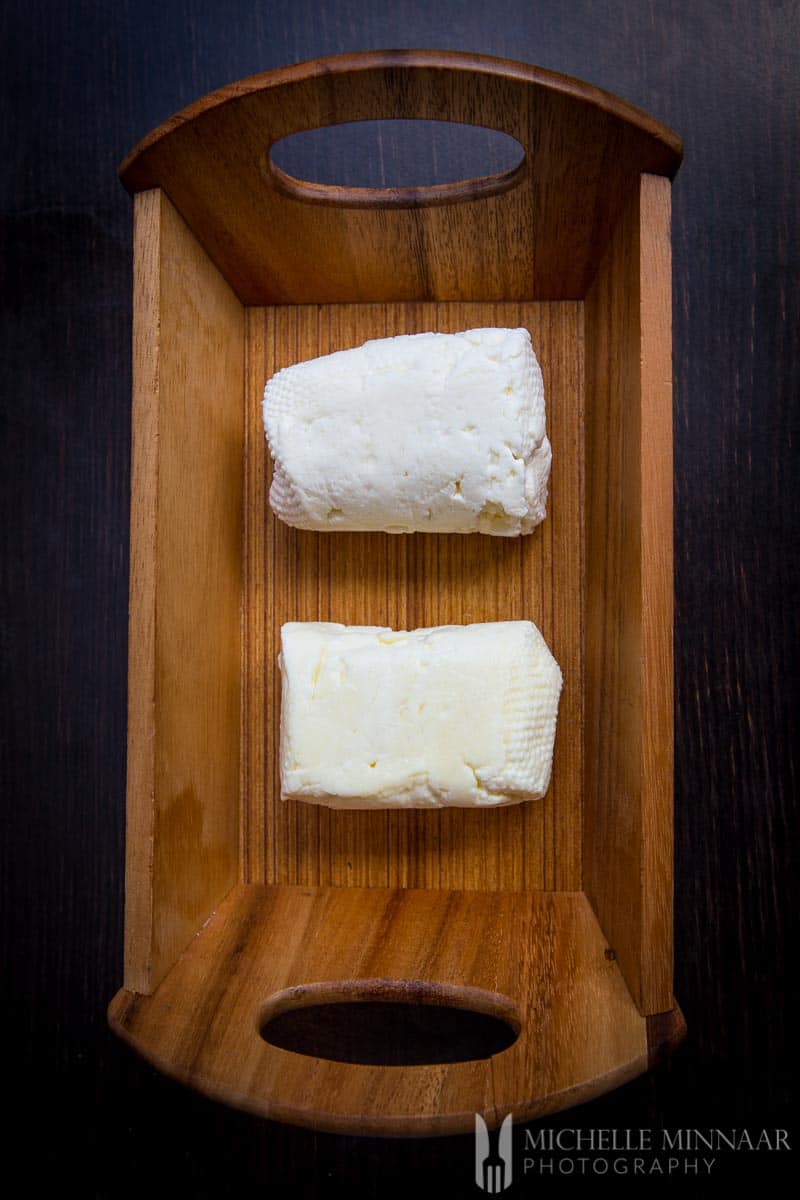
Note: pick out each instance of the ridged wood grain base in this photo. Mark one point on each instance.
(406, 582)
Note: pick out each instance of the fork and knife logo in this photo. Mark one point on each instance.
(493, 1170)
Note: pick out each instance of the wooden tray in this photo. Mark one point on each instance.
(554, 915)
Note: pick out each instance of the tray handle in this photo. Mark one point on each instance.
(416, 196)
(535, 231)
(400, 91)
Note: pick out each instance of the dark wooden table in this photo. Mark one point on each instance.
(82, 83)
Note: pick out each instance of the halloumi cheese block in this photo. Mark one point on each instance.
(432, 432)
(461, 715)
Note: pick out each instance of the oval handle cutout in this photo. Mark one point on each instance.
(389, 1023)
(398, 163)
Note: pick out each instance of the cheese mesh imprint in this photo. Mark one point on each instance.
(460, 715)
(428, 432)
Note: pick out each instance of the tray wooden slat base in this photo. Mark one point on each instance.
(408, 582)
(580, 1032)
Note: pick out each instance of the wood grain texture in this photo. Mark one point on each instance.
(628, 635)
(540, 239)
(407, 582)
(665, 1032)
(184, 655)
(658, 708)
(580, 1032)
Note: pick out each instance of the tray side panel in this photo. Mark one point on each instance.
(184, 643)
(540, 239)
(408, 582)
(540, 957)
(628, 703)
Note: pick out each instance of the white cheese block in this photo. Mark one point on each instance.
(460, 715)
(432, 432)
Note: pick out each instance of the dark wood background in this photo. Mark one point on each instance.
(82, 82)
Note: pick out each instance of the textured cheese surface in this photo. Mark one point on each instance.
(432, 432)
(459, 715)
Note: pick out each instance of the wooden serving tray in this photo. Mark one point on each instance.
(556, 915)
